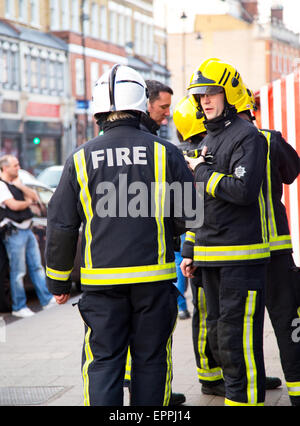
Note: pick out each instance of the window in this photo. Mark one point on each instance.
(79, 69)
(9, 9)
(35, 16)
(66, 15)
(9, 66)
(103, 23)
(75, 15)
(121, 32)
(23, 10)
(112, 27)
(54, 15)
(95, 20)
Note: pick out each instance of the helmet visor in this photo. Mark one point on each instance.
(206, 90)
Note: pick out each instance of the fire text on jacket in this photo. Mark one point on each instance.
(120, 156)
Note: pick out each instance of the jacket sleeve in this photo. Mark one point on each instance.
(184, 207)
(62, 232)
(242, 184)
(287, 158)
(188, 245)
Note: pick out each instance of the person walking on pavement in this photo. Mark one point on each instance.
(232, 246)
(19, 241)
(128, 260)
(210, 375)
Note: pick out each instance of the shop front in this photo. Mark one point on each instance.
(42, 145)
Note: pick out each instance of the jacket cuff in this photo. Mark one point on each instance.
(58, 287)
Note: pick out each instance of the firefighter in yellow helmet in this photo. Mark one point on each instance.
(232, 246)
(283, 278)
(192, 129)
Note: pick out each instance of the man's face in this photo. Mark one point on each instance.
(12, 169)
(212, 105)
(159, 110)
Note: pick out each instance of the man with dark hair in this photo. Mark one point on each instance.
(159, 101)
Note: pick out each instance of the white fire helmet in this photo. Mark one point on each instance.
(120, 89)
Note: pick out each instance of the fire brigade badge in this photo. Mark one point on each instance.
(240, 172)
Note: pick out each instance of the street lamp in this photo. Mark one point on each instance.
(183, 17)
(84, 17)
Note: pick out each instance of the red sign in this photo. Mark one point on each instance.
(35, 109)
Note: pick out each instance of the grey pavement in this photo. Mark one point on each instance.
(40, 360)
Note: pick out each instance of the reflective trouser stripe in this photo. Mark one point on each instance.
(293, 388)
(160, 195)
(168, 386)
(248, 349)
(58, 275)
(242, 252)
(241, 404)
(213, 182)
(88, 360)
(128, 366)
(86, 202)
(205, 372)
(128, 275)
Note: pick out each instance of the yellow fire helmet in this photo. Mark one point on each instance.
(185, 118)
(213, 76)
(247, 103)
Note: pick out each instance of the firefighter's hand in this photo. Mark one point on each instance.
(193, 162)
(187, 268)
(62, 298)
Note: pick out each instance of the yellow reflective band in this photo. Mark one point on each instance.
(169, 375)
(213, 182)
(128, 366)
(190, 236)
(248, 349)
(263, 217)
(160, 195)
(202, 337)
(88, 360)
(128, 275)
(242, 404)
(86, 201)
(293, 388)
(271, 215)
(280, 242)
(224, 253)
(210, 375)
(58, 275)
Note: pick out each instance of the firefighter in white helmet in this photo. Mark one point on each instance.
(115, 186)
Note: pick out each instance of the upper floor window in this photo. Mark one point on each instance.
(65, 15)
(9, 9)
(75, 15)
(103, 23)
(9, 65)
(95, 20)
(35, 12)
(54, 15)
(23, 10)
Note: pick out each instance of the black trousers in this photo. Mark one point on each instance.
(141, 316)
(235, 317)
(283, 305)
(5, 299)
(208, 371)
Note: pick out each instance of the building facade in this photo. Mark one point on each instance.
(52, 54)
(261, 51)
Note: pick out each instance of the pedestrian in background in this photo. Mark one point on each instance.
(19, 241)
